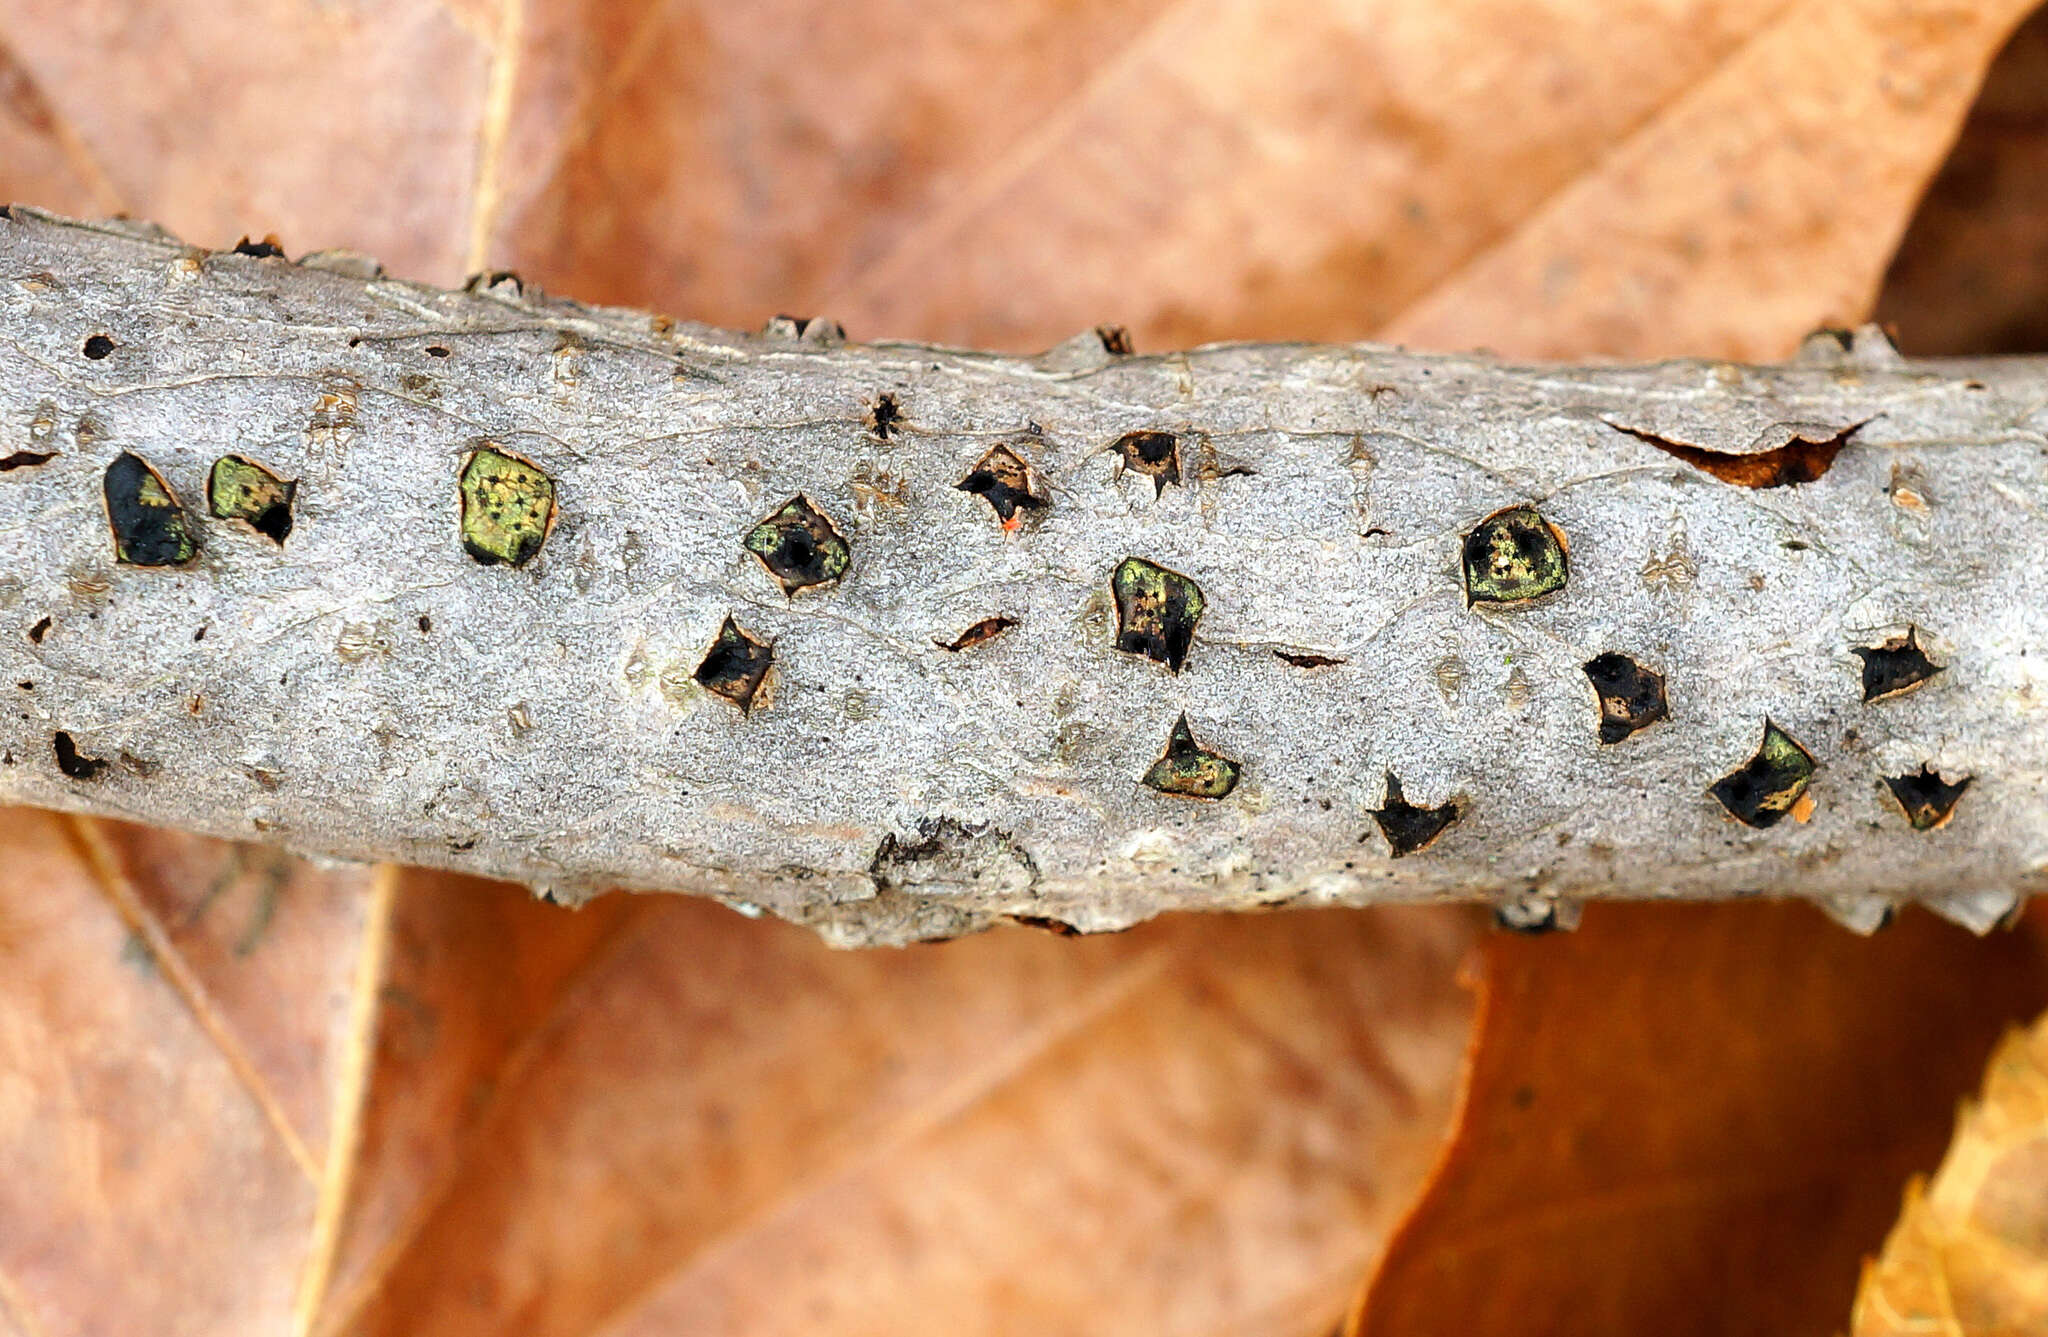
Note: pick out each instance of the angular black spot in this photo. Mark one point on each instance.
(437, 350)
(1156, 611)
(799, 545)
(1003, 480)
(25, 459)
(149, 524)
(884, 417)
(1153, 454)
(1896, 667)
(38, 631)
(985, 630)
(735, 666)
(1927, 799)
(71, 763)
(1770, 784)
(1631, 696)
(1407, 827)
(98, 346)
(267, 249)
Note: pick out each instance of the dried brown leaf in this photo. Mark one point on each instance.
(722, 1126)
(1691, 1119)
(161, 1134)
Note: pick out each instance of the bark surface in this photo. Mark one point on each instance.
(968, 713)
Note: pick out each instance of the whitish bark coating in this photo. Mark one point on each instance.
(882, 638)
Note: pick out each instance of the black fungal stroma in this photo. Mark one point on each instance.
(1771, 784)
(1156, 455)
(1003, 480)
(1896, 667)
(1156, 611)
(735, 666)
(1407, 827)
(1631, 696)
(1927, 800)
(149, 524)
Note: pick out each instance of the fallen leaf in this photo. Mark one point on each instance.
(1556, 180)
(652, 1115)
(1693, 1119)
(1969, 1256)
(723, 1126)
(164, 1099)
(1971, 276)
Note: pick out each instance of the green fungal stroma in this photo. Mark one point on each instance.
(508, 507)
(238, 488)
(1513, 556)
(1188, 770)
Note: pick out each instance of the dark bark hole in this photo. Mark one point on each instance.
(1156, 455)
(1514, 555)
(1927, 799)
(149, 523)
(71, 762)
(1896, 667)
(1302, 659)
(1631, 696)
(1002, 479)
(1188, 770)
(1116, 340)
(1407, 827)
(238, 488)
(25, 459)
(1770, 784)
(98, 346)
(266, 249)
(884, 417)
(799, 546)
(38, 631)
(735, 666)
(426, 624)
(436, 350)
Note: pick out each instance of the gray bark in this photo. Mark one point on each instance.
(370, 690)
